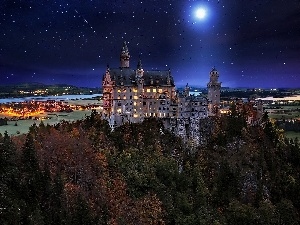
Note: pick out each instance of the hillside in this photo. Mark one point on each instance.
(84, 173)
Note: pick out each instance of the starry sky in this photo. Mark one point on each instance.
(251, 43)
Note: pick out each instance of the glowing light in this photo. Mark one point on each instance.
(201, 13)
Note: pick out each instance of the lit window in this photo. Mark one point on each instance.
(154, 89)
(135, 97)
(160, 90)
(134, 90)
(119, 90)
(148, 90)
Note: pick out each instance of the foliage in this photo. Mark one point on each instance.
(85, 173)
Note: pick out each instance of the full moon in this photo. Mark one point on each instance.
(200, 13)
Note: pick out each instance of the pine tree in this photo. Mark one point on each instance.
(9, 201)
(31, 180)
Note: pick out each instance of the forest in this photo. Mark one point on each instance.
(82, 172)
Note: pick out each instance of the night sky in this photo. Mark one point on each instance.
(251, 43)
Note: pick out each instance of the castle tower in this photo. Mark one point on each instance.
(107, 85)
(140, 91)
(214, 90)
(187, 90)
(124, 57)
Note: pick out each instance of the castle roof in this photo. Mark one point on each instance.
(127, 77)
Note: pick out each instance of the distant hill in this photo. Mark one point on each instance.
(35, 88)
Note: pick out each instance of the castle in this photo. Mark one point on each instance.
(130, 95)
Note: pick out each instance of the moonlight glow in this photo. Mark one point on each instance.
(200, 13)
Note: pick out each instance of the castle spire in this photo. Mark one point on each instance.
(124, 57)
(139, 65)
(169, 77)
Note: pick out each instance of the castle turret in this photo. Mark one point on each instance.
(107, 85)
(124, 57)
(140, 91)
(214, 90)
(139, 72)
(187, 90)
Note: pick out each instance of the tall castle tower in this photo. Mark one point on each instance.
(107, 85)
(124, 57)
(214, 89)
(139, 77)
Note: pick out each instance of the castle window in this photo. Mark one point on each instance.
(119, 91)
(144, 103)
(160, 90)
(134, 90)
(148, 90)
(130, 97)
(154, 89)
(135, 97)
(119, 103)
(159, 108)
